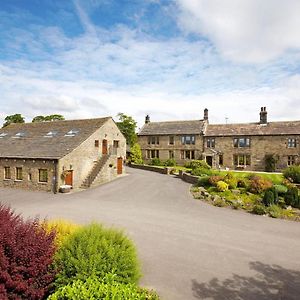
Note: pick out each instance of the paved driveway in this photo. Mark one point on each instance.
(188, 249)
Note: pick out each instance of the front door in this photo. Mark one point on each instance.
(104, 147)
(120, 166)
(69, 178)
(209, 160)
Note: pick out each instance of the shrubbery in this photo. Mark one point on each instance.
(200, 171)
(156, 162)
(136, 154)
(292, 198)
(63, 229)
(259, 184)
(222, 186)
(92, 288)
(214, 179)
(281, 189)
(26, 252)
(292, 173)
(270, 197)
(203, 181)
(194, 164)
(258, 209)
(96, 251)
(170, 162)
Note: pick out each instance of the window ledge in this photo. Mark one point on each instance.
(18, 180)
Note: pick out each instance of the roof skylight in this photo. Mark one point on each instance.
(2, 135)
(51, 134)
(72, 132)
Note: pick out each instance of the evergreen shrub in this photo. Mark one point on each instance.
(156, 162)
(170, 162)
(26, 256)
(96, 251)
(222, 186)
(292, 173)
(292, 198)
(259, 184)
(92, 288)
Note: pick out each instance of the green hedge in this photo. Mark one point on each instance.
(92, 288)
(96, 251)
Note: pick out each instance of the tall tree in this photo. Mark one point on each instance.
(127, 126)
(16, 118)
(55, 117)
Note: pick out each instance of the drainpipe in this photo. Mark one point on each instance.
(55, 177)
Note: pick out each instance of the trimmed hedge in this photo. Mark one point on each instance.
(96, 251)
(92, 288)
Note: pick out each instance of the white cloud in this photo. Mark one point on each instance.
(251, 31)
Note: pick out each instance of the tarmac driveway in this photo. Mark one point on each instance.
(188, 249)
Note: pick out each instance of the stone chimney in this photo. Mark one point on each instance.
(147, 119)
(263, 116)
(205, 117)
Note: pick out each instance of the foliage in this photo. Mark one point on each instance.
(243, 182)
(258, 209)
(16, 118)
(281, 189)
(156, 162)
(222, 186)
(55, 117)
(214, 179)
(136, 154)
(292, 198)
(231, 181)
(63, 229)
(26, 252)
(107, 288)
(96, 251)
(127, 126)
(274, 211)
(200, 171)
(219, 202)
(194, 164)
(203, 181)
(270, 197)
(292, 173)
(171, 162)
(270, 162)
(259, 184)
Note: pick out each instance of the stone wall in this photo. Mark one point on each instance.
(82, 159)
(156, 169)
(30, 172)
(259, 147)
(188, 177)
(164, 147)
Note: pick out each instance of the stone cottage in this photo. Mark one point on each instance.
(48, 155)
(234, 146)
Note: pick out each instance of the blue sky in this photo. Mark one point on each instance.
(169, 59)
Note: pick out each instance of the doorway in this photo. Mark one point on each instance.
(120, 165)
(209, 160)
(104, 147)
(69, 178)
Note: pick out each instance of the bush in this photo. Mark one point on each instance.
(292, 173)
(96, 251)
(291, 197)
(92, 288)
(194, 164)
(63, 229)
(170, 162)
(270, 197)
(214, 179)
(136, 154)
(275, 211)
(259, 184)
(203, 181)
(222, 186)
(243, 183)
(201, 171)
(258, 209)
(270, 162)
(281, 189)
(156, 162)
(26, 252)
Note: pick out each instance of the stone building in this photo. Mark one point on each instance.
(48, 155)
(234, 146)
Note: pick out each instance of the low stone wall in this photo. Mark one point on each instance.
(188, 177)
(151, 168)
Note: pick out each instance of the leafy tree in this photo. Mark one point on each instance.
(136, 154)
(16, 118)
(127, 126)
(54, 117)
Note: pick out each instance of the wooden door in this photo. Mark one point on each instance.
(104, 147)
(209, 160)
(120, 166)
(69, 178)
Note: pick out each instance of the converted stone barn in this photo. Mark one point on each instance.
(48, 155)
(233, 146)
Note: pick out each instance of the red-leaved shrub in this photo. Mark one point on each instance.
(26, 252)
(214, 179)
(259, 184)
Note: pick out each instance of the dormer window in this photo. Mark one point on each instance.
(51, 134)
(72, 132)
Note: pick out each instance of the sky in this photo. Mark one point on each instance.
(170, 59)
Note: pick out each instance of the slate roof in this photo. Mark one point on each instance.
(34, 144)
(271, 128)
(173, 127)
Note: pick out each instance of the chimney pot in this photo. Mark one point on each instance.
(147, 119)
(263, 115)
(205, 117)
